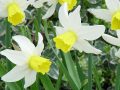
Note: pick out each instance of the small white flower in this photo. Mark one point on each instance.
(14, 10)
(74, 34)
(28, 61)
(113, 40)
(50, 11)
(111, 14)
(53, 4)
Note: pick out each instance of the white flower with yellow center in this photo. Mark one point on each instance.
(113, 40)
(14, 10)
(53, 4)
(73, 34)
(28, 61)
(111, 14)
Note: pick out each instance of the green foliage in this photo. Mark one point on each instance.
(74, 70)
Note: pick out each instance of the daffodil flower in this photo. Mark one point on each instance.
(73, 34)
(14, 10)
(28, 61)
(113, 40)
(111, 14)
(53, 4)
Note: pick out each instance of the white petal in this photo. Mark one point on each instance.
(91, 32)
(118, 33)
(60, 30)
(103, 14)
(63, 15)
(113, 5)
(50, 11)
(75, 18)
(86, 47)
(118, 53)
(23, 5)
(112, 40)
(16, 57)
(40, 46)
(3, 13)
(16, 74)
(77, 47)
(25, 44)
(30, 78)
(39, 3)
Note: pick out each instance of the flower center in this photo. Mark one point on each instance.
(39, 64)
(115, 24)
(15, 14)
(71, 3)
(65, 41)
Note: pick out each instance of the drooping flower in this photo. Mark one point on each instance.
(53, 4)
(28, 61)
(13, 10)
(73, 34)
(113, 40)
(111, 14)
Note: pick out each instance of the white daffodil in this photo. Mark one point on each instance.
(111, 14)
(53, 4)
(14, 10)
(28, 61)
(74, 34)
(113, 40)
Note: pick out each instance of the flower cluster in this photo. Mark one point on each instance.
(71, 34)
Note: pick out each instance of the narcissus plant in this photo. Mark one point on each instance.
(72, 34)
(13, 10)
(28, 61)
(111, 14)
(53, 4)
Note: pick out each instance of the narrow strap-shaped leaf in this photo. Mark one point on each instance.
(80, 73)
(117, 84)
(36, 85)
(7, 35)
(96, 76)
(89, 72)
(59, 80)
(71, 69)
(13, 86)
(46, 82)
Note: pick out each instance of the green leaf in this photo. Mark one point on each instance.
(89, 72)
(71, 69)
(117, 84)
(46, 82)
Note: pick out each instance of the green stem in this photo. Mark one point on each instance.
(8, 35)
(117, 85)
(96, 76)
(90, 72)
(59, 80)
